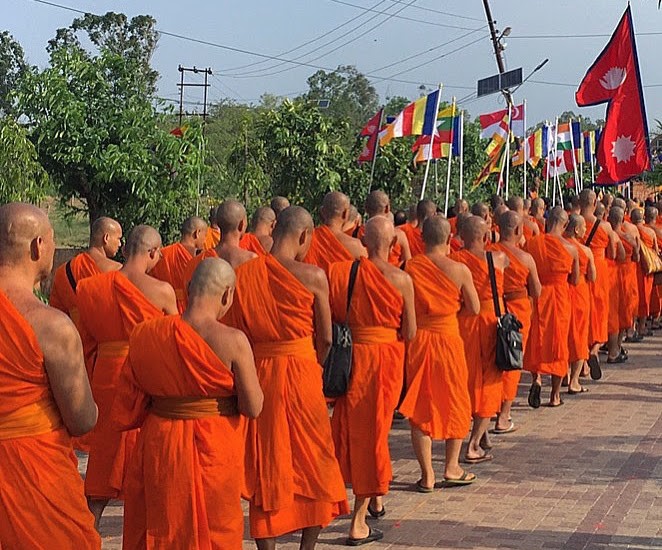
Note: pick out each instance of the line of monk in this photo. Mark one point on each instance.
(191, 373)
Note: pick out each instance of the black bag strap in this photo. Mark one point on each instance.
(594, 229)
(493, 284)
(70, 276)
(350, 287)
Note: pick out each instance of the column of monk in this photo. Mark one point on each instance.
(282, 305)
(437, 403)
(656, 294)
(381, 317)
(617, 292)
(529, 226)
(258, 239)
(110, 306)
(378, 204)
(176, 257)
(644, 282)
(187, 381)
(45, 397)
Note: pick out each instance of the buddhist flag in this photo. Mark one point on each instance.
(532, 146)
(417, 118)
(490, 122)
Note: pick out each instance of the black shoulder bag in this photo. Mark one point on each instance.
(338, 365)
(509, 349)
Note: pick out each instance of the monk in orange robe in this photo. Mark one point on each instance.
(437, 402)
(330, 244)
(282, 305)
(603, 245)
(424, 209)
(627, 273)
(580, 298)
(479, 334)
(233, 222)
(617, 292)
(278, 204)
(262, 225)
(537, 214)
(482, 211)
(185, 384)
(520, 285)
(557, 261)
(111, 305)
(656, 294)
(644, 282)
(529, 226)
(381, 315)
(354, 222)
(461, 208)
(45, 397)
(378, 203)
(213, 231)
(176, 257)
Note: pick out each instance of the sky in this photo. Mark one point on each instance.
(400, 44)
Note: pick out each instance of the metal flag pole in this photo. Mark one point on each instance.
(427, 164)
(554, 153)
(461, 142)
(524, 166)
(510, 130)
(374, 153)
(450, 160)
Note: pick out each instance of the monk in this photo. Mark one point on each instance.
(627, 273)
(175, 257)
(520, 286)
(644, 282)
(424, 209)
(529, 226)
(461, 207)
(381, 315)
(278, 204)
(185, 384)
(580, 298)
(378, 203)
(354, 222)
(282, 305)
(45, 397)
(479, 334)
(537, 214)
(615, 351)
(330, 244)
(259, 239)
(437, 402)
(603, 245)
(213, 231)
(656, 293)
(105, 242)
(456, 242)
(111, 305)
(481, 210)
(557, 261)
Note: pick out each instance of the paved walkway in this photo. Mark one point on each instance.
(587, 475)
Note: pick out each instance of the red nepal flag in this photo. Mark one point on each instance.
(623, 150)
(371, 130)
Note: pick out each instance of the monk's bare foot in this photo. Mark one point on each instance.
(485, 442)
(453, 472)
(376, 505)
(359, 531)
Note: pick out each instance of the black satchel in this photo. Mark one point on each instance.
(338, 364)
(509, 348)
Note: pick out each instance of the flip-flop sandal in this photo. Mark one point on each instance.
(509, 429)
(464, 479)
(478, 459)
(422, 488)
(620, 358)
(534, 396)
(575, 392)
(555, 404)
(594, 366)
(375, 514)
(373, 535)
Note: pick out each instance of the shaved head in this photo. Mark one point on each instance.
(229, 216)
(425, 209)
(263, 216)
(211, 278)
(473, 230)
(292, 221)
(557, 217)
(480, 209)
(461, 206)
(619, 203)
(376, 203)
(499, 211)
(495, 200)
(516, 204)
(436, 231)
(278, 204)
(353, 213)
(379, 233)
(637, 215)
(650, 214)
(101, 227)
(508, 222)
(615, 217)
(335, 205)
(141, 240)
(587, 198)
(576, 225)
(537, 205)
(600, 210)
(461, 218)
(193, 224)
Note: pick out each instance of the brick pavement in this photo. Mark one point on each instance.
(587, 475)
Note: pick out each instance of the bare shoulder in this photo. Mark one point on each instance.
(354, 246)
(397, 277)
(456, 271)
(106, 264)
(500, 259)
(572, 250)
(52, 327)
(310, 276)
(228, 343)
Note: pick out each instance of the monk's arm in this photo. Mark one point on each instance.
(249, 393)
(169, 306)
(592, 273)
(408, 328)
(533, 281)
(469, 293)
(574, 276)
(620, 251)
(612, 247)
(405, 254)
(63, 360)
(322, 311)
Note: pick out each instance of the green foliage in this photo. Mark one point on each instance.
(22, 178)
(12, 69)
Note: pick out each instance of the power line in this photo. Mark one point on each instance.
(431, 10)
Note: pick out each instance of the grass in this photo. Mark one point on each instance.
(70, 232)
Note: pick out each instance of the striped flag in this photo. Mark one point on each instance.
(491, 121)
(417, 118)
(533, 146)
(446, 138)
(491, 166)
(589, 145)
(499, 136)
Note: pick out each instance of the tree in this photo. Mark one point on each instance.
(12, 68)
(22, 179)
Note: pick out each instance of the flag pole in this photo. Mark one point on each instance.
(461, 140)
(524, 190)
(548, 152)
(592, 158)
(554, 153)
(510, 130)
(581, 156)
(374, 153)
(450, 159)
(574, 159)
(427, 164)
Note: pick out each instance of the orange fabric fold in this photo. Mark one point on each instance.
(251, 243)
(190, 268)
(212, 238)
(326, 249)
(613, 323)
(629, 298)
(34, 419)
(580, 315)
(63, 296)
(599, 325)
(415, 239)
(171, 268)
(644, 282)
(437, 400)
(293, 479)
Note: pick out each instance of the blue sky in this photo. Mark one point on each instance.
(377, 43)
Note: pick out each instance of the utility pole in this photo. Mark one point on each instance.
(183, 85)
(498, 47)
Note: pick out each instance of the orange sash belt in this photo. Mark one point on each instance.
(516, 295)
(283, 348)
(191, 408)
(554, 279)
(374, 335)
(36, 419)
(437, 323)
(113, 350)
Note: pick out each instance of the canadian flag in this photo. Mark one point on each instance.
(560, 164)
(371, 131)
(623, 150)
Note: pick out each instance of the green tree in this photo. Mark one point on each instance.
(12, 68)
(22, 178)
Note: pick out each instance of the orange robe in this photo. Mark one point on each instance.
(515, 288)
(437, 400)
(456, 244)
(326, 249)
(550, 329)
(528, 232)
(613, 323)
(198, 452)
(42, 504)
(212, 238)
(415, 238)
(644, 282)
(627, 275)
(540, 224)
(362, 417)
(63, 295)
(479, 336)
(293, 478)
(599, 326)
(251, 243)
(190, 268)
(110, 307)
(580, 317)
(453, 223)
(171, 267)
